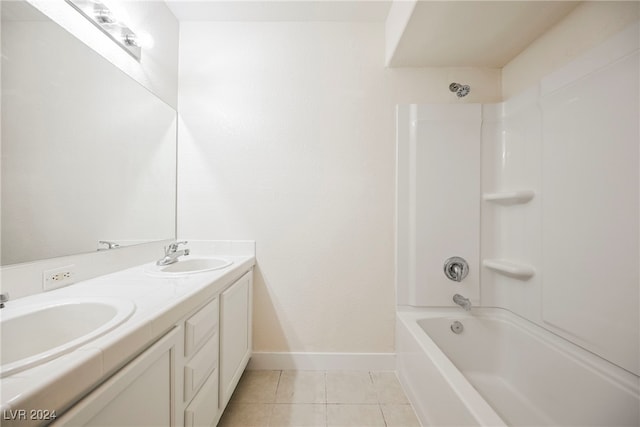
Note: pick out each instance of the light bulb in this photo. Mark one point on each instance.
(144, 40)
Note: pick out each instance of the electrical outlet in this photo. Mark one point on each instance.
(58, 277)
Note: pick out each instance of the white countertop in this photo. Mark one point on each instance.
(160, 304)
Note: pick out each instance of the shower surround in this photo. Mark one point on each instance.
(540, 194)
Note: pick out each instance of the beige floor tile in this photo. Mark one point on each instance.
(301, 387)
(388, 388)
(257, 387)
(298, 415)
(297, 398)
(399, 416)
(246, 415)
(350, 387)
(354, 416)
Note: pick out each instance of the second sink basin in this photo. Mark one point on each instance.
(189, 266)
(35, 334)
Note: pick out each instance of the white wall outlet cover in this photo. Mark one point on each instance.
(58, 277)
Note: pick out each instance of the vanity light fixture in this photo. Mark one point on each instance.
(102, 17)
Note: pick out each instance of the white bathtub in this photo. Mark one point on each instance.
(503, 370)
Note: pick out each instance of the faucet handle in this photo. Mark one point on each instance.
(173, 247)
(456, 268)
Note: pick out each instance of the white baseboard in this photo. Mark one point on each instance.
(323, 361)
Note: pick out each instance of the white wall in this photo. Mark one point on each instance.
(287, 138)
(587, 25)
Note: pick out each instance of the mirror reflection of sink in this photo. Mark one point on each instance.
(35, 334)
(188, 265)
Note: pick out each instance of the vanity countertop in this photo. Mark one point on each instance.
(160, 304)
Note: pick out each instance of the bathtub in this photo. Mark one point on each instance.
(502, 370)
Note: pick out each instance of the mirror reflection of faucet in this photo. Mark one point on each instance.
(3, 299)
(171, 253)
(107, 245)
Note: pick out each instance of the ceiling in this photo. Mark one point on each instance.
(278, 10)
(454, 33)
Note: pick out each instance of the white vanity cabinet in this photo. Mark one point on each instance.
(235, 334)
(217, 363)
(184, 379)
(140, 394)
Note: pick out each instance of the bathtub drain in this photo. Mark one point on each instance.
(457, 327)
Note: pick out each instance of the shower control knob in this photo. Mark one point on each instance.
(456, 268)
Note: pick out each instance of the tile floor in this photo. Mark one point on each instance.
(319, 399)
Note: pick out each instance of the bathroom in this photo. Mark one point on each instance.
(285, 140)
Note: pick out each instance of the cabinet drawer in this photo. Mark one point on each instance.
(199, 326)
(198, 368)
(203, 411)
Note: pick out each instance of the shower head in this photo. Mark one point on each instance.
(460, 90)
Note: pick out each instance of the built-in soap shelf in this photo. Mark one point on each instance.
(510, 268)
(509, 197)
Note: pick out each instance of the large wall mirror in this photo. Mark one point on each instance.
(88, 154)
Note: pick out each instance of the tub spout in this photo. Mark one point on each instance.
(462, 301)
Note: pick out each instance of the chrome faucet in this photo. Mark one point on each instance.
(4, 298)
(171, 253)
(462, 301)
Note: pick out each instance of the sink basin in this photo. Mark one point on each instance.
(189, 266)
(35, 334)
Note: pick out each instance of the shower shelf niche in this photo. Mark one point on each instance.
(510, 268)
(509, 197)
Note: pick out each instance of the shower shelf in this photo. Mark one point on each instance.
(510, 268)
(509, 197)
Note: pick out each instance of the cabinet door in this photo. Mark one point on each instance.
(203, 410)
(235, 335)
(140, 394)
